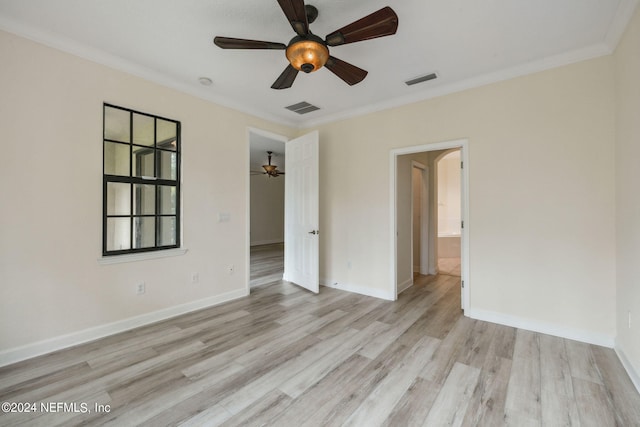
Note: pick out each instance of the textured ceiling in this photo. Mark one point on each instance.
(467, 42)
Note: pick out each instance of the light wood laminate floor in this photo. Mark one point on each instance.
(286, 357)
(449, 266)
(267, 264)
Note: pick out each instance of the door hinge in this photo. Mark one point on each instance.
(461, 224)
(462, 284)
(461, 165)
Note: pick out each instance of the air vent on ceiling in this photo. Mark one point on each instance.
(421, 79)
(302, 107)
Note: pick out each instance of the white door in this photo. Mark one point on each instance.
(301, 241)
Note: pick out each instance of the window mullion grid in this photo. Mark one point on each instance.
(132, 181)
(178, 172)
(104, 184)
(131, 198)
(104, 207)
(155, 175)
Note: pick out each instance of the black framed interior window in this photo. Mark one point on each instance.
(141, 182)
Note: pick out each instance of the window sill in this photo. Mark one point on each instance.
(119, 259)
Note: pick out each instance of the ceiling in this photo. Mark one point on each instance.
(466, 42)
(258, 147)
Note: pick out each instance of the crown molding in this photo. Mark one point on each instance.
(567, 58)
(618, 24)
(118, 63)
(623, 15)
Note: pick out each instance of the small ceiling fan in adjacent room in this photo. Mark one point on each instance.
(269, 169)
(308, 52)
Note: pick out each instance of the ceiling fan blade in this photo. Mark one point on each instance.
(382, 23)
(231, 43)
(286, 78)
(347, 72)
(296, 14)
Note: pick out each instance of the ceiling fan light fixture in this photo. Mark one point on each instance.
(307, 54)
(270, 169)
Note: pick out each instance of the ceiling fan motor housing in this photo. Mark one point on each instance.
(308, 53)
(312, 13)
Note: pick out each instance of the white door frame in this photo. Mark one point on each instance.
(270, 135)
(463, 144)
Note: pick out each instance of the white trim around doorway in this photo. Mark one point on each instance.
(463, 145)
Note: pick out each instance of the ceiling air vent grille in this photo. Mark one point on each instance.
(421, 79)
(302, 107)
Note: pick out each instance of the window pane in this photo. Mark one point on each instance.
(140, 214)
(116, 124)
(167, 134)
(144, 199)
(118, 234)
(143, 162)
(116, 159)
(167, 195)
(143, 129)
(144, 232)
(167, 165)
(118, 198)
(167, 231)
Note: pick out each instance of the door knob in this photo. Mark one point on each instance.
(314, 232)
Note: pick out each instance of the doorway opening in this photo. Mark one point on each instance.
(266, 209)
(282, 209)
(449, 212)
(415, 217)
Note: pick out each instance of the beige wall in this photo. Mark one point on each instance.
(406, 239)
(404, 270)
(419, 219)
(51, 185)
(541, 223)
(267, 209)
(627, 62)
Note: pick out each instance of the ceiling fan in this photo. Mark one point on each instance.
(307, 52)
(269, 169)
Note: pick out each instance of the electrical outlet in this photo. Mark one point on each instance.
(195, 277)
(230, 269)
(140, 288)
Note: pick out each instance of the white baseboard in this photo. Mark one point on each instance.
(266, 242)
(542, 327)
(633, 373)
(362, 290)
(39, 348)
(404, 285)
